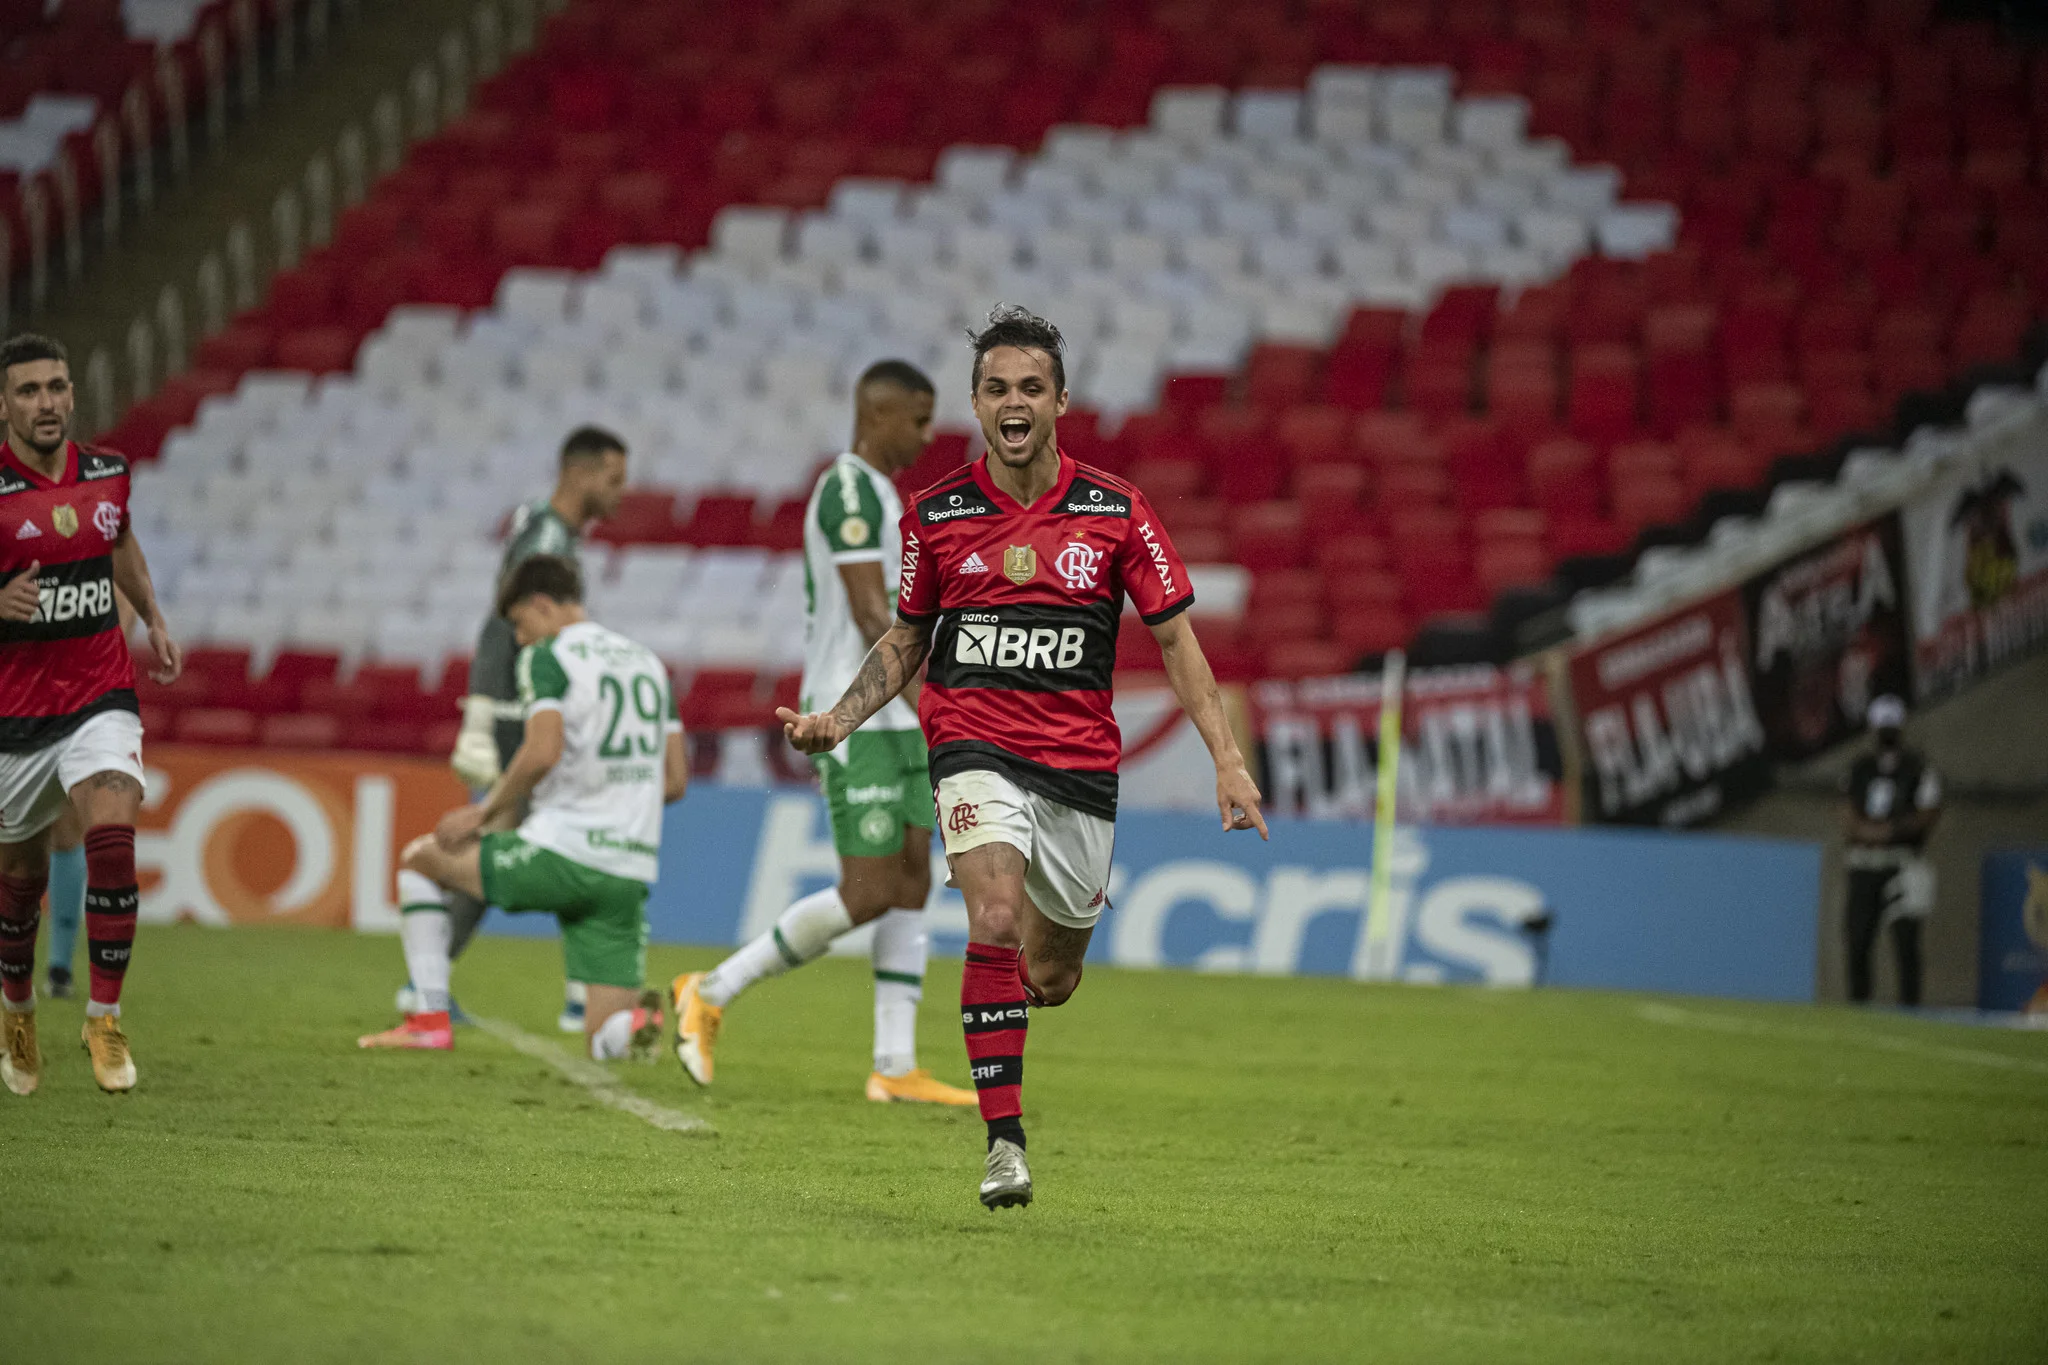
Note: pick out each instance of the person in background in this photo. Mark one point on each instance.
(588, 486)
(1894, 798)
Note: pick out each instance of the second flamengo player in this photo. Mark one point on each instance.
(1015, 571)
(875, 782)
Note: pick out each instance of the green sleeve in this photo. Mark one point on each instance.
(850, 514)
(537, 531)
(540, 675)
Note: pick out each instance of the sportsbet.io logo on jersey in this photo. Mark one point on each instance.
(1097, 503)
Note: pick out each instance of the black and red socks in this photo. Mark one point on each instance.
(995, 1016)
(21, 905)
(111, 900)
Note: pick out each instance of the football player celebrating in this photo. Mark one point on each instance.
(70, 730)
(1015, 572)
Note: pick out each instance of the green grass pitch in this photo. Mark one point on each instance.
(1227, 1168)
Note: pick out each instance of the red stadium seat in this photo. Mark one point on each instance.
(1267, 535)
(299, 730)
(1308, 659)
(214, 725)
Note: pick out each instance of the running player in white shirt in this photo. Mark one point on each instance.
(876, 785)
(603, 752)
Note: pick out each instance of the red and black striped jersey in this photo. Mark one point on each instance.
(70, 662)
(1026, 602)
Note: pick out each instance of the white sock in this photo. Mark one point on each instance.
(613, 1039)
(95, 1010)
(900, 948)
(425, 931)
(804, 931)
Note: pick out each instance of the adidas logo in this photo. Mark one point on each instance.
(973, 564)
(29, 531)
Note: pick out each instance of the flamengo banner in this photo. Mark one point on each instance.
(1977, 545)
(1828, 633)
(1479, 746)
(1669, 726)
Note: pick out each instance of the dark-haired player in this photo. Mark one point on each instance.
(877, 789)
(69, 725)
(602, 753)
(1015, 572)
(588, 485)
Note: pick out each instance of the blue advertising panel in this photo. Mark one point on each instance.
(1632, 909)
(2012, 927)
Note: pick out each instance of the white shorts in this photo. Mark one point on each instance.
(1066, 851)
(35, 785)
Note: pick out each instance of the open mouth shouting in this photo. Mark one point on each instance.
(1015, 431)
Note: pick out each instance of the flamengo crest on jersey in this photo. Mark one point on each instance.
(1025, 604)
(600, 805)
(852, 518)
(69, 662)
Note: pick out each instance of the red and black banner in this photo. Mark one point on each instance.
(1667, 721)
(1828, 632)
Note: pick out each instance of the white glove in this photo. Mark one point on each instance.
(475, 759)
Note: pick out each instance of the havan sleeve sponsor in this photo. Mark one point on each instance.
(1151, 568)
(1828, 633)
(1669, 726)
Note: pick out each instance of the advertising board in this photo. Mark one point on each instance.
(1669, 725)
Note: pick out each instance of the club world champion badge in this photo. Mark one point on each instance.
(65, 518)
(1020, 564)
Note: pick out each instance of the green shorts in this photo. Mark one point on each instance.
(883, 785)
(603, 918)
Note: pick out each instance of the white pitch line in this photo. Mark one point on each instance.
(1672, 1014)
(602, 1085)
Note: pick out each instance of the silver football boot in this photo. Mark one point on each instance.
(1006, 1180)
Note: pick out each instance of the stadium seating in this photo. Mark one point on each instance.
(1392, 307)
(84, 80)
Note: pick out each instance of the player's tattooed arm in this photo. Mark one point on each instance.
(1187, 668)
(889, 667)
(131, 578)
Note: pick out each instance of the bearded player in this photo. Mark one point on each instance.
(70, 730)
(1015, 572)
(876, 787)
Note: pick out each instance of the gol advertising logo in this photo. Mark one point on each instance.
(251, 837)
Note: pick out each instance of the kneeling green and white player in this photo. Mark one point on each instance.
(603, 753)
